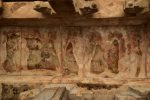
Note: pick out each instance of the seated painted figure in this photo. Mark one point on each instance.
(49, 59)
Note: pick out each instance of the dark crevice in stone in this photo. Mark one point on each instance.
(90, 86)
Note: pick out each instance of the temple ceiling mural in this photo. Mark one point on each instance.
(75, 50)
(80, 51)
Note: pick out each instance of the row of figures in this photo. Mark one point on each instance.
(92, 50)
(76, 52)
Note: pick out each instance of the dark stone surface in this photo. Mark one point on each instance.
(11, 92)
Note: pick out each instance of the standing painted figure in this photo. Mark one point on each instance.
(113, 57)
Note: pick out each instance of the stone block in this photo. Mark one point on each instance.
(128, 96)
(143, 91)
(55, 93)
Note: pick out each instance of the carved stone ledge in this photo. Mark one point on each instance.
(133, 8)
(26, 9)
(43, 7)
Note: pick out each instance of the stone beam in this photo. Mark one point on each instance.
(23, 13)
(73, 22)
(105, 9)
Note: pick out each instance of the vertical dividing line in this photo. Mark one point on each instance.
(129, 51)
(61, 47)
(147, 41)
(20, 50)
(81, 35)
(0, 48)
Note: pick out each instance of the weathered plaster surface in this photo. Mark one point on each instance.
(91, 54)
(108, 51)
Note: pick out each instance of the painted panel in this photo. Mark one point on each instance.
(108, 52)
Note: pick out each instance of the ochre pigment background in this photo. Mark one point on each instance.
(106, 51)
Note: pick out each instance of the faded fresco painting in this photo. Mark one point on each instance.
(42, 53)
(76, 51)
(11, 47)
